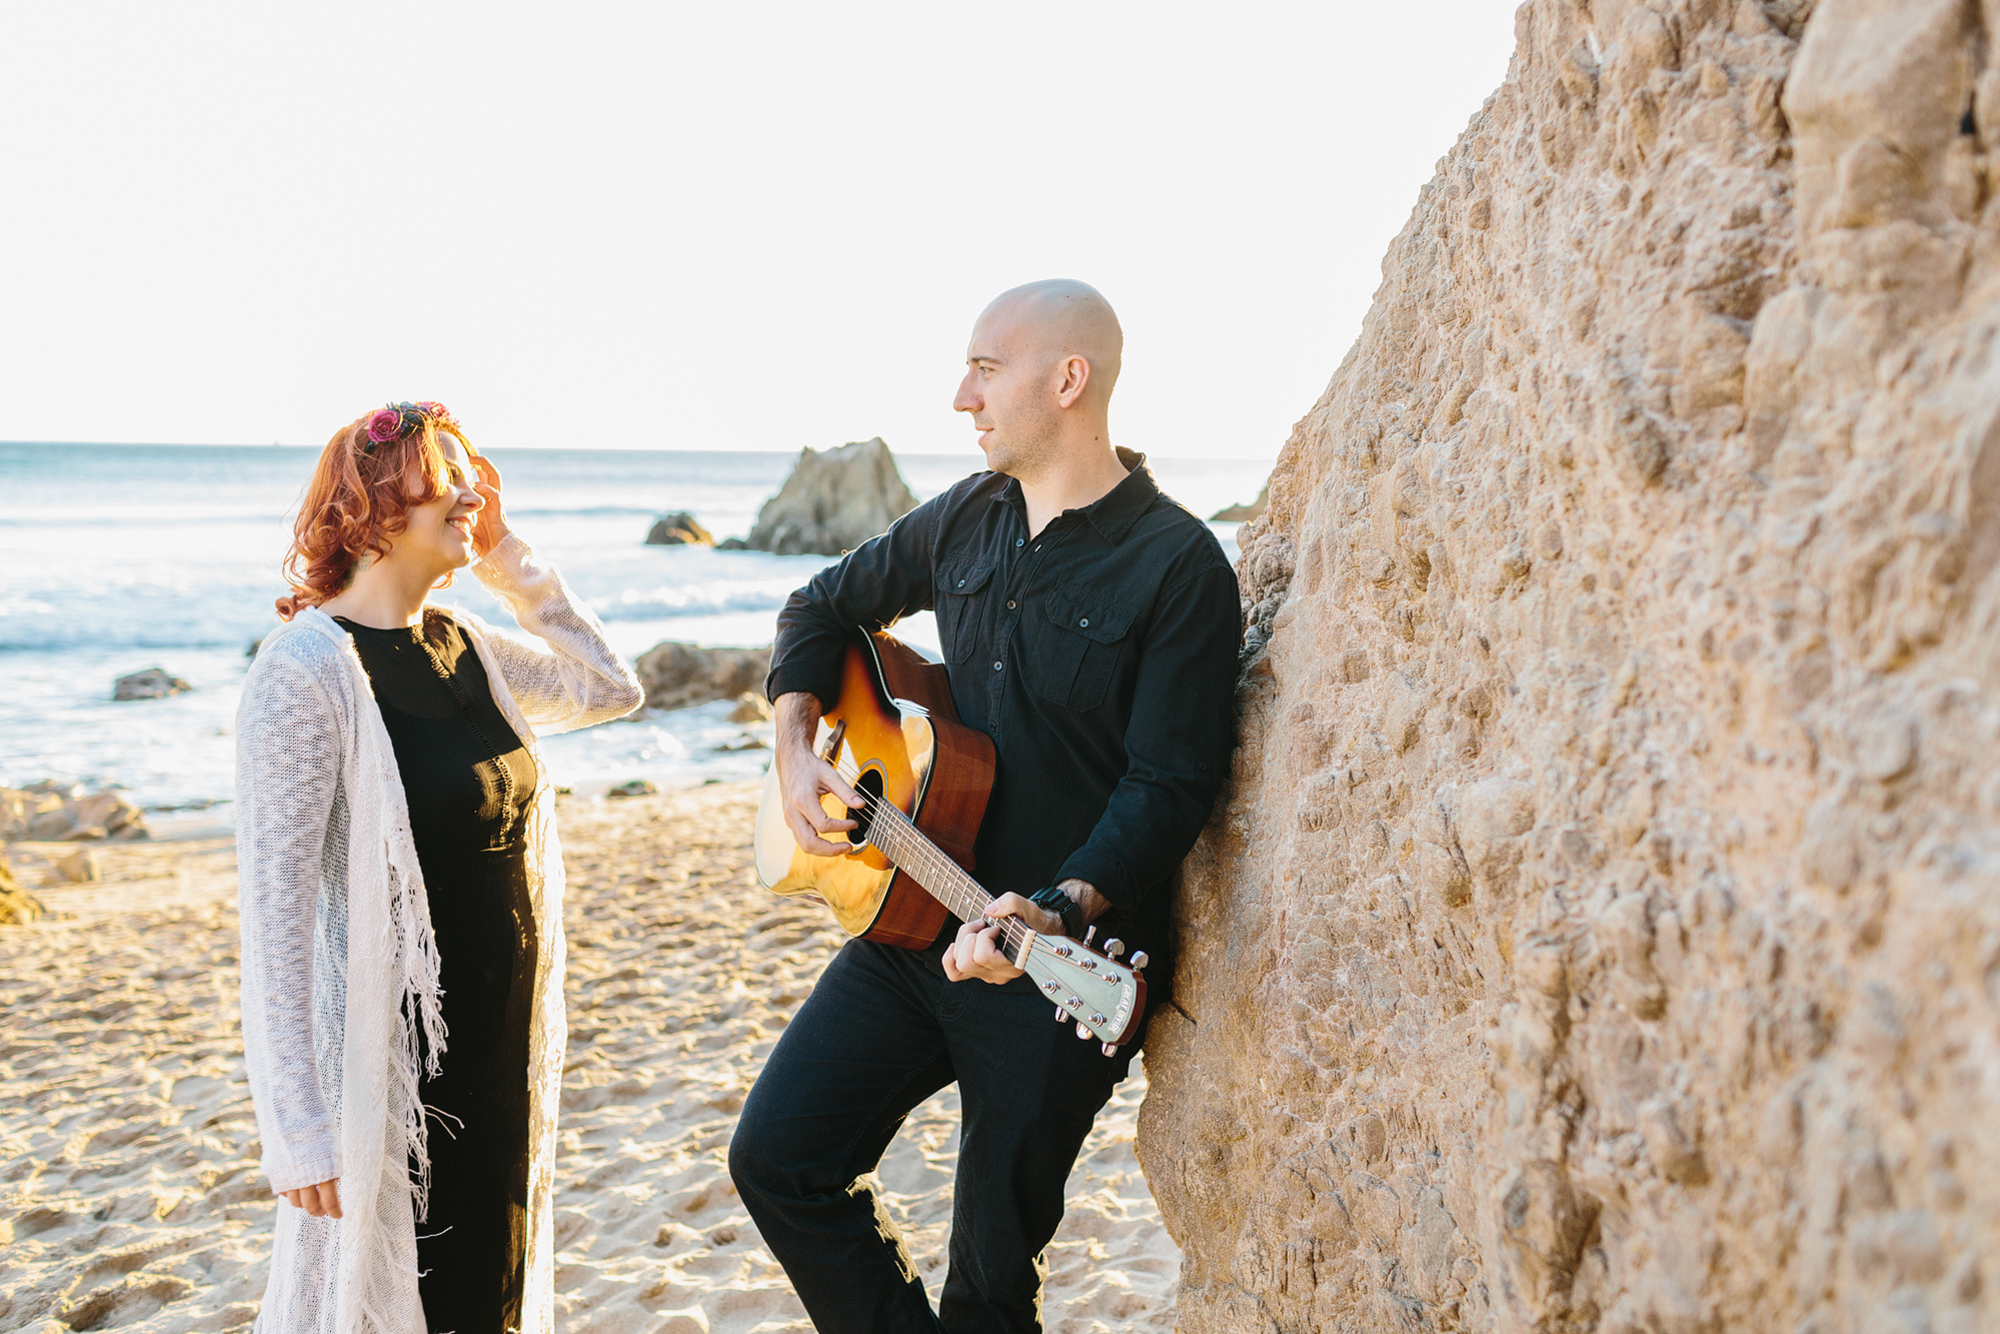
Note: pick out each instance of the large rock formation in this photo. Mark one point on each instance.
(834, 500)
(1603, 930)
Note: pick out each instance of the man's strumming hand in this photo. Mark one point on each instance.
(803, 778)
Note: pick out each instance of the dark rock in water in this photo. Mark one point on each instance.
(678, 675)
(153, 683)
(636, 787)
(251, 651)
(1244, 513)
(732, 544)
(833, 502)
(16, 904)
(679, 529)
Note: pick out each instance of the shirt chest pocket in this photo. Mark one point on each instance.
(1078, 641)
(960, 599)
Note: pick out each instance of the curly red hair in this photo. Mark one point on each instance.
(360, 499)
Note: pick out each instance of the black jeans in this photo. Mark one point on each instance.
(882, 1031)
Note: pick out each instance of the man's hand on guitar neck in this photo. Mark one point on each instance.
(976, 952)
(804, 777)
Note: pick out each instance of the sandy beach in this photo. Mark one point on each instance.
(130, 1196)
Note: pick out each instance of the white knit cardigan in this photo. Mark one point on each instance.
(339, 961)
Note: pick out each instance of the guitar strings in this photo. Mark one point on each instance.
(1012, 930)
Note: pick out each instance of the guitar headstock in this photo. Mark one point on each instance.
(1104, 997)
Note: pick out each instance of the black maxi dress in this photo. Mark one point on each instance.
(469, 780)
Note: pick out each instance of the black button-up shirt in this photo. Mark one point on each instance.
(1100, 656)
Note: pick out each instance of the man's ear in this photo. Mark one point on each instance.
(1075, 375)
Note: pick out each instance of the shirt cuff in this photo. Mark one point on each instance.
(1103, 872)
(805, 671)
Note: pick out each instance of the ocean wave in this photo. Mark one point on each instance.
(666, 603)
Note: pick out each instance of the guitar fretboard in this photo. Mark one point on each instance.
(905, 845)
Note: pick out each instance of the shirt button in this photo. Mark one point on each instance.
(1020, 541)
(996, 666)
(961, 583)
(1084, 622)
(1010, 604)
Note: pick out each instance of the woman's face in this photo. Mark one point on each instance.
(440, 533)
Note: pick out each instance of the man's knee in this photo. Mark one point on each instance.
(750, 1155)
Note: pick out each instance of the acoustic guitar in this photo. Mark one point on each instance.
(924, 778)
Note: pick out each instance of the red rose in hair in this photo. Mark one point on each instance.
(385, 426)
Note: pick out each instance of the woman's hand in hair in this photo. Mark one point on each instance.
(490, 525)
(321, 1201)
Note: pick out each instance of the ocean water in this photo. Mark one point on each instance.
(115, 558)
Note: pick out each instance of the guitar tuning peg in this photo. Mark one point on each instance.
(1110, 1049)
(1114, 947)
(1082, 1029)
(1061, 1014)
(1140, 959)
(1089, 934)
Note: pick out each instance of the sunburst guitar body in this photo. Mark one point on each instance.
(925, 777)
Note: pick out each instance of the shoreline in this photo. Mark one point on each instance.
(129, 1190)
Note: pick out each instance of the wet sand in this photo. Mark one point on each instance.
(129, 1191)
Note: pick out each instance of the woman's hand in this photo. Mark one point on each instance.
(489, 526)
(321, 1201)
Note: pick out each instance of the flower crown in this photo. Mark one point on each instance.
(402, 419)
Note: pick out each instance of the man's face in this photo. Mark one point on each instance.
(1009, 392)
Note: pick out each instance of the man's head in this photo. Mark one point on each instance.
(1039, 373)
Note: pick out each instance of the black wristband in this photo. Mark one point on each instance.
(1057, 900)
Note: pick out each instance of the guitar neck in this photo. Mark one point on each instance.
(917, 857)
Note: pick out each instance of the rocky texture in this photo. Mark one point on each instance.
(17, 905)
(677, 530)
(153, 683)
(50, 814)
(678, 675)
(833, 502)
(1244, 513)
(1603, 929)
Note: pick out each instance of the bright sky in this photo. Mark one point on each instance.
(698, 226)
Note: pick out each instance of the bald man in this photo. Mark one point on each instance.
(1089, 626)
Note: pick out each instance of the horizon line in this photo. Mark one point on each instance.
(972, 453)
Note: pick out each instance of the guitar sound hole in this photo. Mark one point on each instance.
(868, 785)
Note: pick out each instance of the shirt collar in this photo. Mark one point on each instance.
(1113, 513)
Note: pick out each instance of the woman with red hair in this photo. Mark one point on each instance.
(400, 886)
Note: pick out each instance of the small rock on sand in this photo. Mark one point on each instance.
(79, 868)
(751, 707)
(153, 683)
